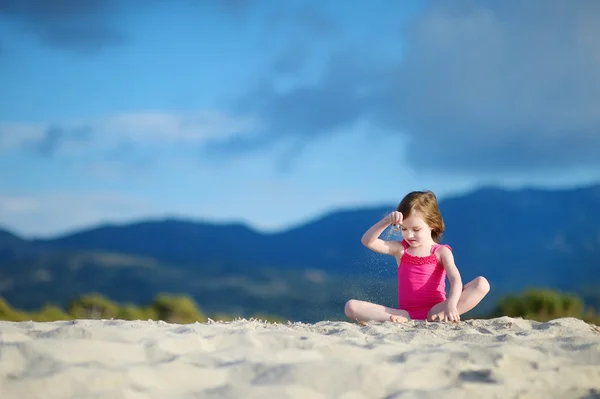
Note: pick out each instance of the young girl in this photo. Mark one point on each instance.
(423, 265)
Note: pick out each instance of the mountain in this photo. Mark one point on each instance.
(527, 237)
(516, 238)
(14, 248)
(322, 243)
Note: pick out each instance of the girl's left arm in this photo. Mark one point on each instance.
(453, 274)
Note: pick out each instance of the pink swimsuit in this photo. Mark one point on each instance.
(421, 282)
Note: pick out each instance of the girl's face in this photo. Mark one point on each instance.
(415, 231)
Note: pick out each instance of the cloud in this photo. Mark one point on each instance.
(14, 136)
(115, 133)
(54, 212)
(501, 85)
(292, 59)
(71, 24)
(481, 87)
(54, 136)
(18, 204)
(348, 91)
(293, 19)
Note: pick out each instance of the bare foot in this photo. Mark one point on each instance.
(398, 319)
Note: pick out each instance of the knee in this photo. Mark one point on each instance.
(350, 308)
(482, 285)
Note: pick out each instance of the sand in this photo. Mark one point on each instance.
(113, 359)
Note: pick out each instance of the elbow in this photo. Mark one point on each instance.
(365, 241)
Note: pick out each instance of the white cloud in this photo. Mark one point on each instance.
(17, 135)
(49, 213)
(193, 127)
(18, 204)
(152, 128)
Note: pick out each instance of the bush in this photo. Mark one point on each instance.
(50, 313)
(544, 305)
(177, 309)
(93, 306)
(9, 314)
(172, 309)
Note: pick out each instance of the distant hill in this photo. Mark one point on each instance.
(328, 243)
(516, 238)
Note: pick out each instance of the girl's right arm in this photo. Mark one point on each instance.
(372, 241)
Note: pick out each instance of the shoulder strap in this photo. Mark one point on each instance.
(436, 247)
(404, 244)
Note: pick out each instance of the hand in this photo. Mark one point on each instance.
(451, 314)
(395, 218)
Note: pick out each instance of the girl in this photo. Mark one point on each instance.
(423, 265)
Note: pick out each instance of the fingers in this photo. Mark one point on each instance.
(395, 218)
(446, 317)
(453, 317)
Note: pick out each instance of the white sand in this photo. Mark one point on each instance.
(500, 358)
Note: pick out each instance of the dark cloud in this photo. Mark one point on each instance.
(292, 60)
(508, 85)
(71, 24)
(303, 27)
(55, 136)
(482, 86)
(349, 90)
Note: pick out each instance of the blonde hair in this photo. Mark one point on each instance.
(424, 202)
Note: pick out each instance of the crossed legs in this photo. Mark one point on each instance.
(362, 311)
(473, 292)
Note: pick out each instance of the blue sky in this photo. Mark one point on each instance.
(273, 113)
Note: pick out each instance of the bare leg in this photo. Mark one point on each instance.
(363, 311)
(473, 292)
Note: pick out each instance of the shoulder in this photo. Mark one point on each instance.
(402, 245)
(442, 248)
(400, 249)
(443, 251)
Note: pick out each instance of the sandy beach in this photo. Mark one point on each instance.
(113, 359)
